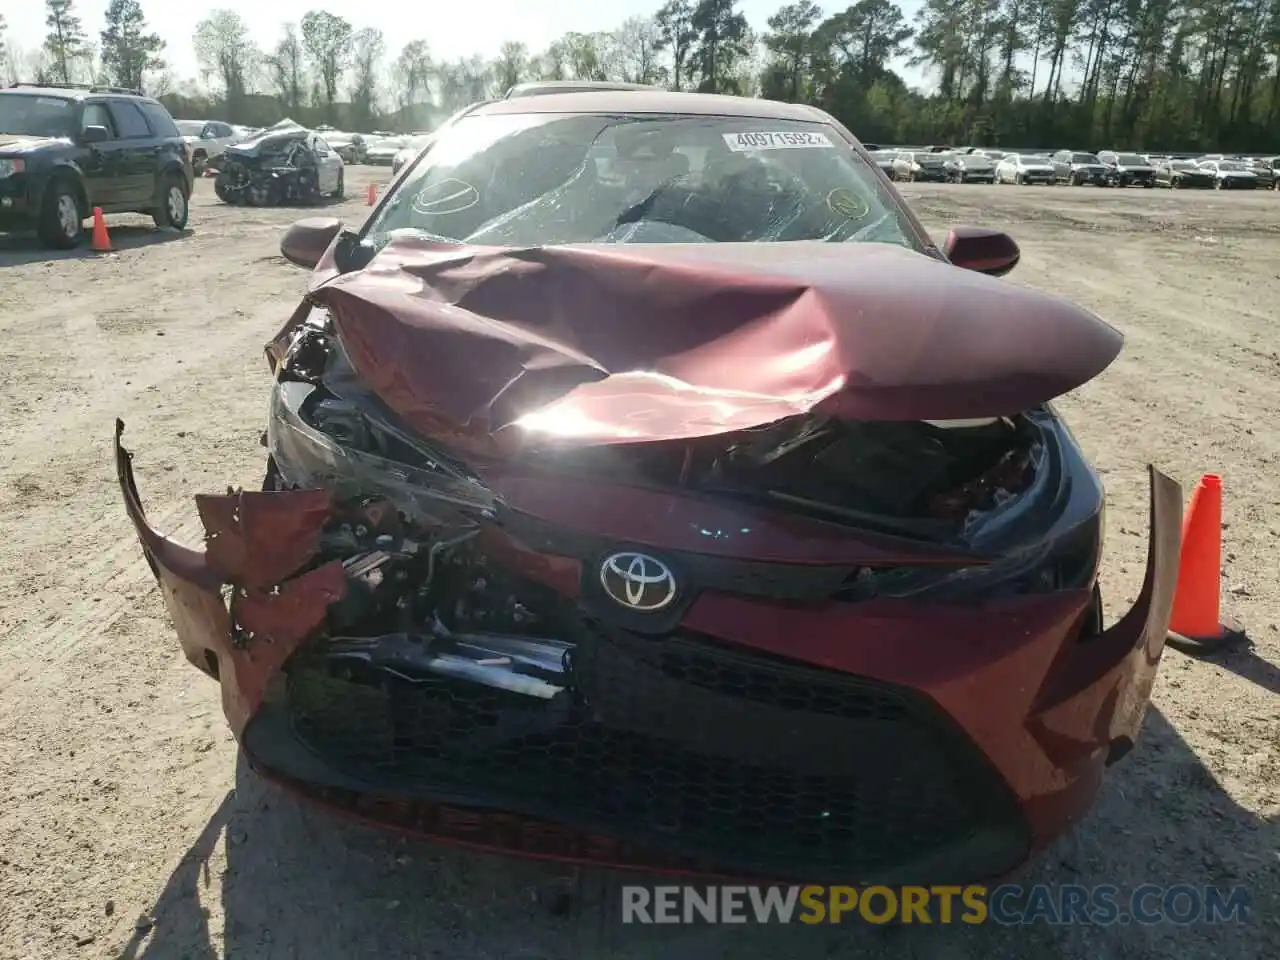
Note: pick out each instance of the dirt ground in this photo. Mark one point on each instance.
(129, 829)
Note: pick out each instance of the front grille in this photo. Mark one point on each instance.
(677, 743)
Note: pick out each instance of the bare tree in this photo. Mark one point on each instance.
(327, 40)
(511, 66)
(287, 71)
(413, 71)
(550, 64)
(367, 49)
(464, 81)
(224, 52)
(586, 55)
(637, 46)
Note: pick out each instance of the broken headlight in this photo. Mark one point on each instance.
(317, 439)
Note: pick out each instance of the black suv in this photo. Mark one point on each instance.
(66, 148)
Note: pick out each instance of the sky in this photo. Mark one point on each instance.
(453, 28)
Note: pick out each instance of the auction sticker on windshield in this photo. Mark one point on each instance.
(786, 140)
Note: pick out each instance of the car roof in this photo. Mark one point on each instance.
(634, 101)
(545, 87)
(72, 91)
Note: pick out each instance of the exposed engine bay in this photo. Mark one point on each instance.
(428, 597)
(930, 480)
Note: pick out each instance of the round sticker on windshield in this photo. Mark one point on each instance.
(847, 204)
(445, 197)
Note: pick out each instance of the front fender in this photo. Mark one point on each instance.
(62, 167)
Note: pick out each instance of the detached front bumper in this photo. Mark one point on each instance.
(966, 739)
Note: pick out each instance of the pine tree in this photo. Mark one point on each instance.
(128, 49)
(65, 39)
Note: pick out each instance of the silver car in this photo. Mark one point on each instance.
(382, 153)
(409, 152)
(1080, 168)
(970, 168)
(1023, 168)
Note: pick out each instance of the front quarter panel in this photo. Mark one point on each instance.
(1090, 709)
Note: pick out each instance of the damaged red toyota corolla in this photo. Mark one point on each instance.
(646, 488)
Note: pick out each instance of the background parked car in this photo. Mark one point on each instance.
(383, 152)
(1264, 170)
(287, 163)
(1182, 174)
(207, 139)
(1230, 174)
(919, 165)
(1077, 168)
(414, 146)
(66, 150)
(1128, 169)
(884, 160)
(1023, 168)
(970, 168)
(351, 147)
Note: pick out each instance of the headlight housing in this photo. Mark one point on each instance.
(11, 165)
(325, 429)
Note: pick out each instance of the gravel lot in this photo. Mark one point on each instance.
(128, 828)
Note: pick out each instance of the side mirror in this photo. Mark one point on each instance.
(306, 240)
(95, 134)
(992, 252)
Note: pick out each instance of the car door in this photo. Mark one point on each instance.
(328, 162)
(101, 164)
(219, 136)
(1061, 165)
(139, 154)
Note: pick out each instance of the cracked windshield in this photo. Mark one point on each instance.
(536, 179)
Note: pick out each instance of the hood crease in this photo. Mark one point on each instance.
(599, 344)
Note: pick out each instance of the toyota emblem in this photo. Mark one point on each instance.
(638, 582)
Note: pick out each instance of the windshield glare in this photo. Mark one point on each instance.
(1230, 165)
(189, 128)
(25, 115)
(540, 179)
(1131, 160)
(1085, 158)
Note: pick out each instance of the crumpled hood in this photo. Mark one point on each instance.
(13, 143)
(609, 343)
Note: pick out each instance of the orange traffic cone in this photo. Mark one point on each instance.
(1196, 624)
(373, 194)
(101, 241)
